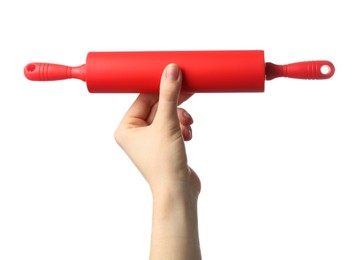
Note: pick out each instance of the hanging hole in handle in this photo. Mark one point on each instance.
(31, 68)
(325, 69)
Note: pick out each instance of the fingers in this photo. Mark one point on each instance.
(140, 110)
(184, 117)
(186, 121)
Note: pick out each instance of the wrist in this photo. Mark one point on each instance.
(170, 195)
(184, 185)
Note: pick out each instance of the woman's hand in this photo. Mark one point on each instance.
(152, 134)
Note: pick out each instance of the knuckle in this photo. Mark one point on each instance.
(119, 136)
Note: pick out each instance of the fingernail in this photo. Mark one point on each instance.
(172, 71)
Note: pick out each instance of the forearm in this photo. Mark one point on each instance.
(175, 226)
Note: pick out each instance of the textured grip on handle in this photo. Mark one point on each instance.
(320, 69)
(48, 71)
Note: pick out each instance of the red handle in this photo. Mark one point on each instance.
(320, 69)
(47, 71)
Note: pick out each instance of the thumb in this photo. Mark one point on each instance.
(170, 86)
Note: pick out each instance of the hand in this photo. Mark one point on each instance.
(152, 134)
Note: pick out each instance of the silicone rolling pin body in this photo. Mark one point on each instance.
(215, 71)
(203, 71)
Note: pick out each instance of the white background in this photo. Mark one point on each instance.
(278, 169)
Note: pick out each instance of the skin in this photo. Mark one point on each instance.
(152, 134)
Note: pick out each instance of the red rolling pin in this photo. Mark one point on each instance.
(203, 71)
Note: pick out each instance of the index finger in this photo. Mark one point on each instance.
(139, 111)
